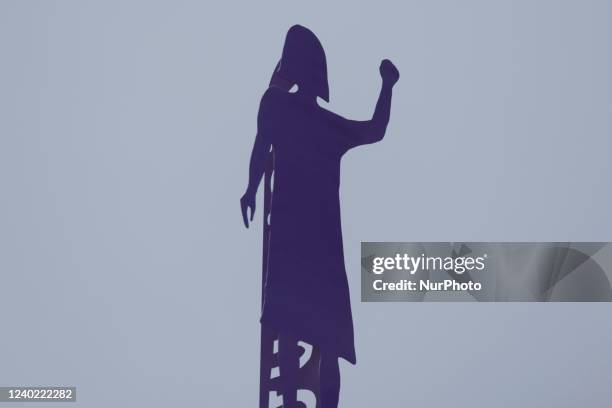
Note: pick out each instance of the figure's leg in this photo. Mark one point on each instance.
(289, 365)
(329, 372)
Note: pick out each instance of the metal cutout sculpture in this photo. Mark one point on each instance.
(305, 296)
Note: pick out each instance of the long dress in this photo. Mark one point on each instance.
(306, 291)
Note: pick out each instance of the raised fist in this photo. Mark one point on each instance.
(388, 72)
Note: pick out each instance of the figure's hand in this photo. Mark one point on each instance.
(247, 201)
(388, 72)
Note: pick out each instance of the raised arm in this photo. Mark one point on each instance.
(373, 130)
(259, 156)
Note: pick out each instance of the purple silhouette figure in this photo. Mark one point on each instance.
(305, 293)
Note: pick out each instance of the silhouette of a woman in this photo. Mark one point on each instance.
(306, 295)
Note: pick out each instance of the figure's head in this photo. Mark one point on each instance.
(303, 62)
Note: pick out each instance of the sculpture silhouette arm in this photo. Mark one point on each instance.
(259, 156)
(373, 130)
